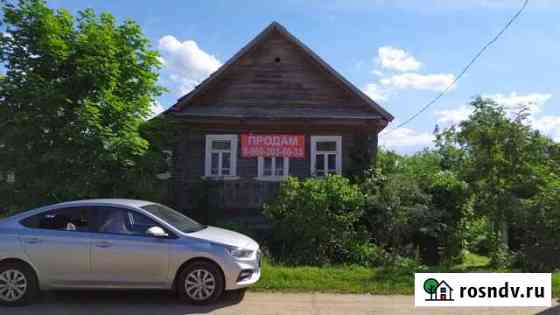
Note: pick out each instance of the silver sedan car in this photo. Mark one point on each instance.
(121, 244)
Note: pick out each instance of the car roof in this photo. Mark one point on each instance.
(120, 202)
(86, 202)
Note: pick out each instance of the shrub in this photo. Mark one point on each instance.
(315, 221)
(394, 211)
(415, 214)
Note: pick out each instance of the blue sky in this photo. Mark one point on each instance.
(401, 52)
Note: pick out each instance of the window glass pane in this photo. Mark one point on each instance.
(267, 166)
(113, 221)
(226, 160)
(139, 223)
(326, 146)
(320, 163)
(122, 221)
(215, 161)
(279, 171)
(226, 163)
(332, 162)
(176, 219)
(221, 145)
(68, 219)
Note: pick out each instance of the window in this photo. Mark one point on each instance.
(66, 219)
(221, 156)
(273, 167)
(176, 219)
(122, 221)
(326, 155)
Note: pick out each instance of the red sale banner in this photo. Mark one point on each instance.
(278, 145)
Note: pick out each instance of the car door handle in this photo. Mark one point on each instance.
(32, 240)
(103, 244)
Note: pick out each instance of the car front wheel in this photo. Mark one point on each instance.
(18, 284)
(200, 283)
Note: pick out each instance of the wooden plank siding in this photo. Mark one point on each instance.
(248, 192)
(276, 72)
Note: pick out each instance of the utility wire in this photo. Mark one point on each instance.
(465, 69)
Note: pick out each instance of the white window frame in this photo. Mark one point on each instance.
(314, 152)
(233, 156)
(284, 161)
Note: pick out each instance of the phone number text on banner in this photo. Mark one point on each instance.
(273, 145)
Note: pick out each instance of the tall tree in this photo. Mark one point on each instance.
(75, 92)
(496, 154)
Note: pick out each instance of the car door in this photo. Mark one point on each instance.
(123, 255)
(58, 244)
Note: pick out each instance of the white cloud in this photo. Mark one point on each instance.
(186, 63)
(401, 138)
(548, 125)
(453, 116)
(397, 59)
(434, 82)
(375, 92)
(397, 70)
(513, 102)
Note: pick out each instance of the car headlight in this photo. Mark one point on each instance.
(239, 252)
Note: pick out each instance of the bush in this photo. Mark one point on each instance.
(315, 221)
(397, 212)
(368, 254)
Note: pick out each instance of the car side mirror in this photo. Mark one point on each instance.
(156, 231)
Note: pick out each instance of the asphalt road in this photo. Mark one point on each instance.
(161, 303)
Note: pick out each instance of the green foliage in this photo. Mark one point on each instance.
(396, 208)
(315, 221)
(477, 235)
(412, 203)
(75, 93)
(507, 166)
(539, 226)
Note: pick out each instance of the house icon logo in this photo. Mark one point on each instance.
(438, 290)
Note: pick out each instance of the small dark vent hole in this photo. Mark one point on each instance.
(277, 60)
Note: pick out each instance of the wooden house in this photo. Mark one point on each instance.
(274, 110)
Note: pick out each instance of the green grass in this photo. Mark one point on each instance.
(335, 279)
(472, 262)
(362, 280)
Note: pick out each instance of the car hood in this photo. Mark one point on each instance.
(226, 237)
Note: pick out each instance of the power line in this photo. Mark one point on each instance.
(466, 68)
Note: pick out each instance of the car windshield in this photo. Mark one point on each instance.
(178, 220)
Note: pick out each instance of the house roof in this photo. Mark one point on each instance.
(178, 108)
